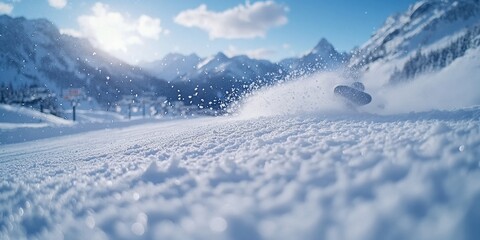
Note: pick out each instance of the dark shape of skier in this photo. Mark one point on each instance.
(353, 94)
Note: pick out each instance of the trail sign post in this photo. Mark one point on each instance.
(74, 95)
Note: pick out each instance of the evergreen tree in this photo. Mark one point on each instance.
(421, 63)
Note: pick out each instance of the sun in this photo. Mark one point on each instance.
(107, 30)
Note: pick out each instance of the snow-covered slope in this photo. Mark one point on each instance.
(16, 116)
(317, 176)
(424, 23)
(428, 32)
(452, 87)
(22, 124)
(172, 66)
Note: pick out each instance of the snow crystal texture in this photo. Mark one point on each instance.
(411, 176)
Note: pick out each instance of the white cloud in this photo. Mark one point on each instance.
(71, 32)
(5, 8)
(149, 27)
(112, 31)
(242, 21)
(58, 3)
(259, 53)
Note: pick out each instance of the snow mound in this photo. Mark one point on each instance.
(17, 116)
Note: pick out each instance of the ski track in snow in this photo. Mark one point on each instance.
(411, 176)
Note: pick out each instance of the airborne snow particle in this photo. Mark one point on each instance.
(142, 218)
(20, 212)
(90, 222)
(218, 224)
(138, 229)
(136, 196)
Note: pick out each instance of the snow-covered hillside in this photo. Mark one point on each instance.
(33, 52)
(13, 117)
(317, 176)
(427, 37)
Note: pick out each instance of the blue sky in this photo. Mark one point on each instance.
(144, 30)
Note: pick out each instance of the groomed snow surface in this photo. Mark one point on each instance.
(312, 176)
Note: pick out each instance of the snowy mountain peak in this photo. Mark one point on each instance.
(172, 66)
(212, 62)
(324, 47)
(323, 57)
(220, 57)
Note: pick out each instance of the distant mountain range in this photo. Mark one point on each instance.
(177, 67)
(427, 37)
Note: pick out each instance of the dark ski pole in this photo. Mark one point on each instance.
(73, 110)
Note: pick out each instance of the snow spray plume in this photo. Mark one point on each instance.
(303, 95)
(448, 89)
